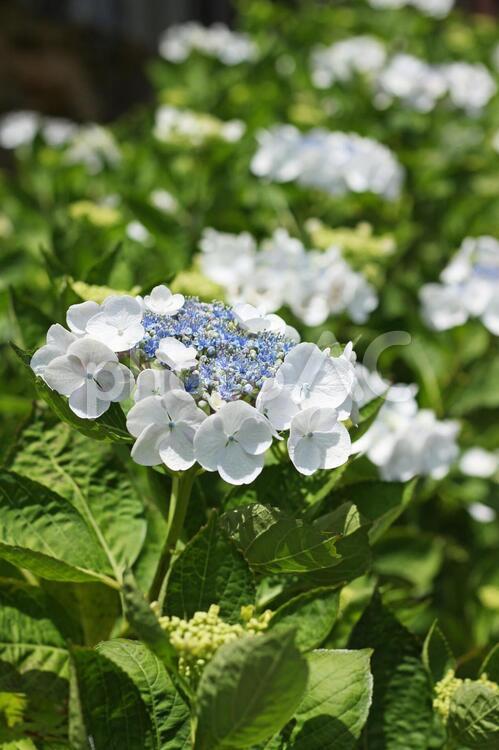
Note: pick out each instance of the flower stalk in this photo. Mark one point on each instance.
(182, 483)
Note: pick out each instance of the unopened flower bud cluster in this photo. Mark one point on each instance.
(197, 640)
(445, 689)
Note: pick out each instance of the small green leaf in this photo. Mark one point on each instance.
(249, 691)
(437, 656)
(210, 570)
(312, 614)
(110, 427)
(367, 416)
(474, 716)
(169, 715)
(381, 503)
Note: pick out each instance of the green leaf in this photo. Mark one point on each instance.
(312, 614)
(249, 691)
(209, 570)
(43, 532)
(474, 716)
(33, 630)
(490, 665)
(276, 543)
(113, 712)
(401, 714)
(437, 655)
(34, 660)
(110, 427)
(91, 476)
(169, 715)
(381, 503)
(336, 703)
(145, 624)
(480, 391)
(367, 416)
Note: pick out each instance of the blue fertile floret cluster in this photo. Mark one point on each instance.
(232, 361)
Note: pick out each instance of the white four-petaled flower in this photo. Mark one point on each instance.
(176, 355)
(118, 324)
(165, 427)
(233, 442)
(317, 440)
(162, 302)
(90, 374)
(156, 383)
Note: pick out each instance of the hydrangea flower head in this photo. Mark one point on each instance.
(214, 384)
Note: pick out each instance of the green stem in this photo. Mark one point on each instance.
(179, 500)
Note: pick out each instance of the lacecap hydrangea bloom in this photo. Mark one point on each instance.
(218, 41)
(338, 163)
(212, 384)
(469, 288)
(313, 284)
(404, 441)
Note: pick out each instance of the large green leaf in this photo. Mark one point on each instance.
(401, 714)
(210, 570)
(312, 614)
(113, 712)
(169, 715)
(336, 703)
(91, 476)
(110, 427)
(474, 717)
(34, 661)
(249, 691)
(43, 532)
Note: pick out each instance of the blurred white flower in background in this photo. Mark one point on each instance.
(477, 462)
(413, 81)
(137, 232)
(470, 86)
(164, 201)
(173, 125)
(405, 441)
(482, 513)
(94, 147)
(336, 162)
(343, 60)
(227, 46)
(20, 128)
(313, 284)
(436, 8)
(469, 288)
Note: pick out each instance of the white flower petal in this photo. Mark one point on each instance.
(276, 403)
(78, 316)
(43, 357)
(181, 407)
(115, 381)
(209, 442)
(233, 415)
(255, 435)
(146, 412)
(91, 352)
(162, 302)
(64, 374)
(58, 336)
(304, 454)
(86, 403)
(238, 467)
(146, 448)
(156, 383)
(176, 449)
